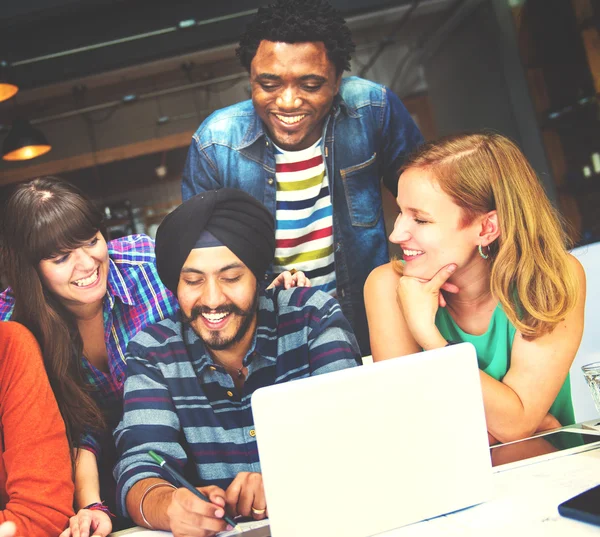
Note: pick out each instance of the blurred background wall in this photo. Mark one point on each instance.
(117, 87)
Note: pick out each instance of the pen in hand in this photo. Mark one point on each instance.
(185, 483)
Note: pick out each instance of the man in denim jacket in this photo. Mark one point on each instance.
(311, 147)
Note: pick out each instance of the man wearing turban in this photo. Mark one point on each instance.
(191, 376)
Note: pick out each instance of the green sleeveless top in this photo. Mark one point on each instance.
(493, 354)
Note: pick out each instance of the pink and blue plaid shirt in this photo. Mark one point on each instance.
(135, 298)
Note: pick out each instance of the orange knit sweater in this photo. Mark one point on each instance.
(36, 489)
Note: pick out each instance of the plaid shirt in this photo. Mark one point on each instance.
(135, 297)
(182, 404)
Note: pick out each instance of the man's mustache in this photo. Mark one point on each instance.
(226, 308)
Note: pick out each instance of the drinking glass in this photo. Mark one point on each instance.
(591, 372)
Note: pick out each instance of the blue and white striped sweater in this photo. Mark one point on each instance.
(183, 405)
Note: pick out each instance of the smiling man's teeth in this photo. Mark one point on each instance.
(214, 317)
(412, 252)
(87, 281)
(289, 120)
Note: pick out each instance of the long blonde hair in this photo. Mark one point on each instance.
(531, 275)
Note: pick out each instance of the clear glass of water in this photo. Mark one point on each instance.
(591, 372)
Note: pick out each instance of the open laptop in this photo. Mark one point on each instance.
(362, 451)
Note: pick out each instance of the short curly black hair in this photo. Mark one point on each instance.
(299, 21)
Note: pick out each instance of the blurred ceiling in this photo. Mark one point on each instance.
(50, 41)
(78, 62)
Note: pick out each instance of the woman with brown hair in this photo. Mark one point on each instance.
(83, 299)
(485, 261)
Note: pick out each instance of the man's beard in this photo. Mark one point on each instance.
(215, 341)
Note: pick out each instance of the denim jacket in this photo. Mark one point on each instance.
(366, 137)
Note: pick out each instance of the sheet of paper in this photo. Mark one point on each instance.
(142, 532)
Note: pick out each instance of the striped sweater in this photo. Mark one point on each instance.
(304, 216)
(181, 404)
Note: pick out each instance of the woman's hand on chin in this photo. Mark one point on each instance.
(420, 300)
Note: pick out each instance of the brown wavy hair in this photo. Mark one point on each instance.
(43, 218)
(531, 275)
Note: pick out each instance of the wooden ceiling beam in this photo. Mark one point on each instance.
(88, 160)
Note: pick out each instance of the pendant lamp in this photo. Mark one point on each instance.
(24, 142)
(7, 86)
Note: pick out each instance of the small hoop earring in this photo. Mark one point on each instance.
(485, 256)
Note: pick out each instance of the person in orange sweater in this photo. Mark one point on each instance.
(36, 486)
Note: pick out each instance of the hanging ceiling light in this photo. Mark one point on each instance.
(24, 142)
(7, 86)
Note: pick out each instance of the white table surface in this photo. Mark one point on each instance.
(524, 502)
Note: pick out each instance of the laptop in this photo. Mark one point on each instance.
(362, 451)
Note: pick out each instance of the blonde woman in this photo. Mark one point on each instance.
(485, 261)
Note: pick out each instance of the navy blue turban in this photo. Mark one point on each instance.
(233, 217)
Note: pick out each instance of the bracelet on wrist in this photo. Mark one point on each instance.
(145, 493)
(99, 506)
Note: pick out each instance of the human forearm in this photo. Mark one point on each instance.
(87, 491)
(178, 510)
(506, 416)
(388, 332)
(492, 440)
(87, 481)
(156, 495)
(431, 340)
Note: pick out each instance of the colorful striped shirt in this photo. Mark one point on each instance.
(304, 216)
(135, 297)
(183, 405)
